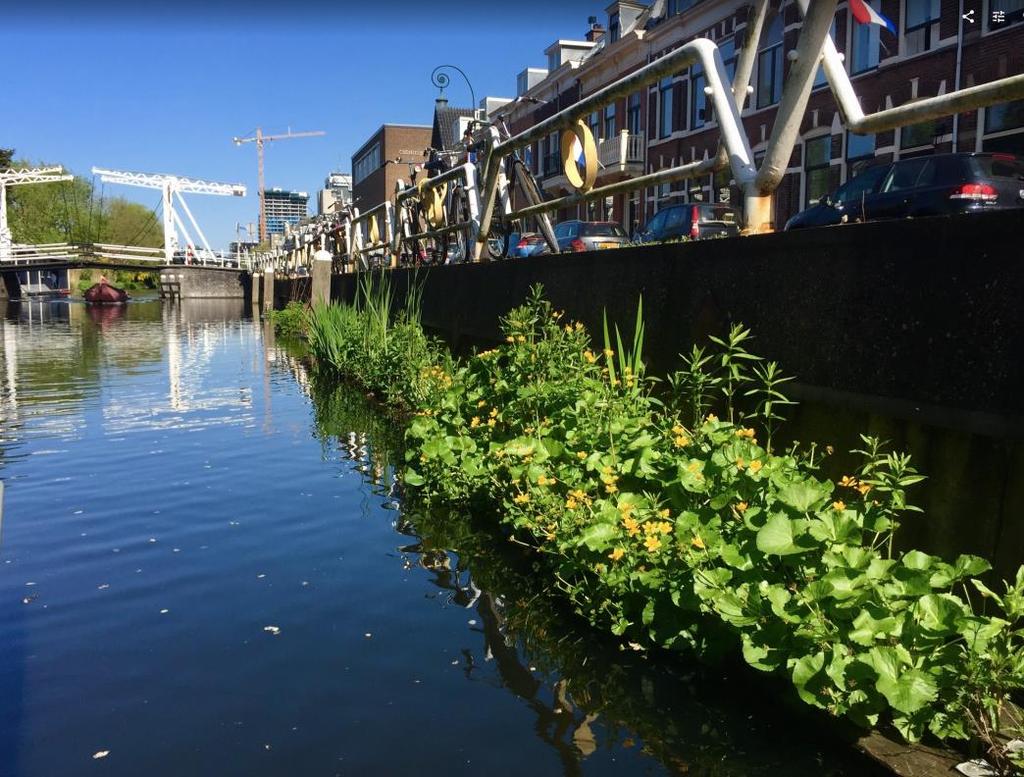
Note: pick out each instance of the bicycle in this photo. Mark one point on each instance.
(517, 177)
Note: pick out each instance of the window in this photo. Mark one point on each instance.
(698, 100)
(819, 78)
(522, 84)
(817, 155)
(678, 6)
(769, 65)
(594, 122)
(609, 121)
(701, 109)
(551, 159)
(1005, 116)
(554, 61)
(865, 183)
(864, 43)
(613, 28)
(921, 26)
(633, 114)
(860, 151)
(366, 164)
(665, 107)
(920, 134)
(1003, 13)
(904, 174)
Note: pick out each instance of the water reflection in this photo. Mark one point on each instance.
(588, 694)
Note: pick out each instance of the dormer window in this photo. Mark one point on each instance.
(613, 27)
(554, 61)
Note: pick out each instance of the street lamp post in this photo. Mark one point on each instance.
(441, 80)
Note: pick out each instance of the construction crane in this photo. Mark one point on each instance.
(259, 139)
(17, 178)
(174, 186)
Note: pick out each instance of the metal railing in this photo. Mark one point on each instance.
(486, 183)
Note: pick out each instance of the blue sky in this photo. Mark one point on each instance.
(115, 86)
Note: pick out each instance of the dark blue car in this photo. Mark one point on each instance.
(922, 186)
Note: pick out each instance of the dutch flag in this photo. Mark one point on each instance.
(865, 14)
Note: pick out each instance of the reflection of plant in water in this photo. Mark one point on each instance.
(344, 417)
(589, 692)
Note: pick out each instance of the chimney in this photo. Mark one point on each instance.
(596, 29)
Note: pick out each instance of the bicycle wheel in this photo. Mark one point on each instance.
(523, 180)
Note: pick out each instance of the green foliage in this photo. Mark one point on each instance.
(383, 349)
(72, 211)
(6, 156)
(293, 321)
(671, 527)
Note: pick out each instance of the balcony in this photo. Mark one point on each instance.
(618, 157)
(623, 153)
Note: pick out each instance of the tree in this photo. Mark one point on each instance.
(6, 157)
(128, 223)
(71, 212)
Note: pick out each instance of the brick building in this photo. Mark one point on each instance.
(670, 122)
(383, 159)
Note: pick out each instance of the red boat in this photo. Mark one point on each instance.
(103, 293)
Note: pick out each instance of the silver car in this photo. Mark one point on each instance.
(579, 235)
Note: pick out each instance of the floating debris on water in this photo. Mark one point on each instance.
(100, 754)
(103, 586)
(164, 611)
(275, 630)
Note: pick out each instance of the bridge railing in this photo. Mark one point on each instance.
(39, 253)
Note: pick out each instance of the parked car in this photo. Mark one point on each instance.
(694, 221)
(576, 235)
(525, 244)
(923, 186)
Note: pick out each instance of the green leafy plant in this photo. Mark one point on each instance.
(671, 527)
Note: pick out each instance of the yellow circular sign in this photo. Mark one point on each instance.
(578, 142)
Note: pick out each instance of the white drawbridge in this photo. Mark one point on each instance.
(177, 236)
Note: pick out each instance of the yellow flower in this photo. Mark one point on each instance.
(864, 488)
(626, 508)
(652, 543)
(609, 352)
(664, 513)
(589, 356)
(616, 554)
(521, 339)
(848, 482)
(611, 488)
(481, 403)
(490, 422)
(543, 480)
(740, 464)
(741, 507)
(755, 466)
(632, 526)
(474, 422)
(650, 528)
(712, 418)
(581, 455)
(571, 504)
(665, 527)
(838, 506)
(521, 499)
(681, 441)
(510, 339)
(494, 412)
(697, 542)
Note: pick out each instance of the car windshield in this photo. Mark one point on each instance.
(601, 229)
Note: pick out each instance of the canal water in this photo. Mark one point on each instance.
(206, 569)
